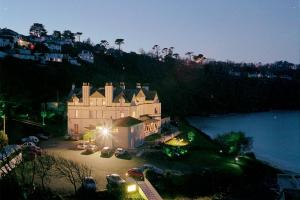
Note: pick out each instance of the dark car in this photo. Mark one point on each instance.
(89, 184)
(91, 148)
(136, 174)
(122, 153)
(106, 152)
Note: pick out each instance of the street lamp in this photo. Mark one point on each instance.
(3, 116)
(105, 131)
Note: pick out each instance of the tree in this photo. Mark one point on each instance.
(234, 142)
(170, 51)
(72, 171)
(165, 51)
(119, 42)
(78, 34)
(176, 56)
(189, 54)
(56, 34)
(67, 34)
(3, 139)
(37, 30)
(104, 44)
(156, 50)
(44, 164)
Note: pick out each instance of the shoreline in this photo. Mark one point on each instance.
(269, 163)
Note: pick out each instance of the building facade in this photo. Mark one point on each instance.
(126, 113)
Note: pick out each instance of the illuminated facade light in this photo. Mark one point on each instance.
(131, 188)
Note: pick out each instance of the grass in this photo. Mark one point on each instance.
(177, 142)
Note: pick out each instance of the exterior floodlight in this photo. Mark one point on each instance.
(236, 159)
(131, 188)
(221, 151)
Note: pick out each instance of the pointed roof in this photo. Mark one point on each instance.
(97, 94)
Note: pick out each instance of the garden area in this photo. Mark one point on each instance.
(217, 168)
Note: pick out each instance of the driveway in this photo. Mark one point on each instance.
(100, 166)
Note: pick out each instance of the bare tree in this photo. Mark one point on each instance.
(72, 171)
(45, 164)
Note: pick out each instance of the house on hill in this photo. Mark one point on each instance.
(125, 116)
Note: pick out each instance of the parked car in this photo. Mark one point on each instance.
(120, 152)
(136, 174)
(115, 179)
(91, 148)
(106, 152)
(26, 144)
(81, 145)
(152, 168)
(31, 139)
(42, 136)
(89, 184)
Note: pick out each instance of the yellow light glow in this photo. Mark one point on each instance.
(131, 188)
(105, 131)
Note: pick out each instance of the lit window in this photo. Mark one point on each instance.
(76, 113)
(132, 130)
(122, 115)
(103, 102)
(133, 114)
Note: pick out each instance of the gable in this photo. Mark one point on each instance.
(97, 94)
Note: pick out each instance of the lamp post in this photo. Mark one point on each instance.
(3, 116)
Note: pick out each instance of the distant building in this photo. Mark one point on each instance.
(129, 114)
(54, 57)
(289, 186)
(53, 47)
(86, 56)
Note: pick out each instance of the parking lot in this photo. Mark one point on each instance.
(100, 166)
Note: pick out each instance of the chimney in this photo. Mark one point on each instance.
(146, 86)
(108, 93)
(85, 93)
(138, 86)
(122, 85)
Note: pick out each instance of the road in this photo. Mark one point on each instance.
(100, 166)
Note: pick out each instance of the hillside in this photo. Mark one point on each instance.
(183, 88)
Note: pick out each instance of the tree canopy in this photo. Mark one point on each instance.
(234, 142)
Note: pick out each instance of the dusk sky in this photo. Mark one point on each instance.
(238, 30)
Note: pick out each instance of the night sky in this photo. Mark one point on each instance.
(238, 30)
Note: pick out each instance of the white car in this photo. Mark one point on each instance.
(114, 179)
(81, 145)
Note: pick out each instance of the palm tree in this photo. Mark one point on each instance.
(156, 49)
(119, 42)
(189, 54)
